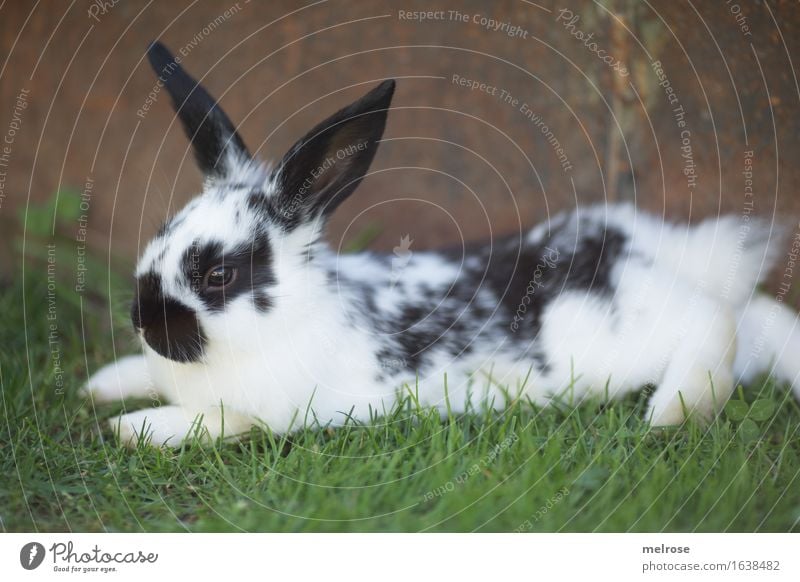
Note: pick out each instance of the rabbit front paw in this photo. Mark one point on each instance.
(169, 426)
(128, 377)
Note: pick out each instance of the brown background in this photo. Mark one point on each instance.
(460, 162)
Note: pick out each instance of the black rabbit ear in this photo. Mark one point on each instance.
(324, 167)
(214, 139)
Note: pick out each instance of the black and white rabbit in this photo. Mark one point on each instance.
(242, 307)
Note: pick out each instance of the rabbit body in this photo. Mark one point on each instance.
(247, 316)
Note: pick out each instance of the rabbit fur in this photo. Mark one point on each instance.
(247, 317)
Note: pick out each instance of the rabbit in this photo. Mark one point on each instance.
(247, 317)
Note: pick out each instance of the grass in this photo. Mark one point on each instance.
(590, 468)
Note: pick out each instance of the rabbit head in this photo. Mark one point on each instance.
(213, 266)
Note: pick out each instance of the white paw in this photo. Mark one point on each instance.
(127, 377)
(163, 426)
(666, 411)
(698, 395)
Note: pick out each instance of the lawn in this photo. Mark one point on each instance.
(590, 468)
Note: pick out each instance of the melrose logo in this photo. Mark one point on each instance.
(31, 555)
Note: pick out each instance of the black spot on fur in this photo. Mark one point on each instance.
(197, 260)
(511, 279)
(327, 164)
(528, 277)
(254, 273)
(262, 301)
(213, 135)
(169, 226)
(259, 203)
(448, 319)
(169, 327)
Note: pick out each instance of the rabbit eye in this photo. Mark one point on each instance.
(220, 276)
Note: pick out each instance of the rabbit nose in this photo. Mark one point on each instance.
(136, 315)
(169, 327)
(145, 312)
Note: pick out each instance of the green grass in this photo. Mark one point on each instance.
(590, 468)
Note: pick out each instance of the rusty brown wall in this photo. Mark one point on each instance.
(459, 162)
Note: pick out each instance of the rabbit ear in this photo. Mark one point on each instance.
(324, 167)
(216, 144)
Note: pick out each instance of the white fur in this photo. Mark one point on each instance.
(684, 317)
